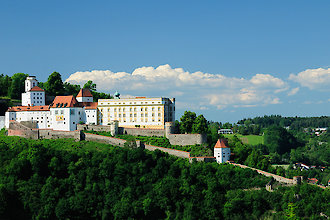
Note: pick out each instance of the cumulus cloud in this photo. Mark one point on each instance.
(293, 91)
(318, 79)
(197, 90)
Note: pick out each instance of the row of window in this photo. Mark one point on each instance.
(124, 103)
(131, 120)
(131, 115)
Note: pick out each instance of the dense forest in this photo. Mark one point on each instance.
(64, 179)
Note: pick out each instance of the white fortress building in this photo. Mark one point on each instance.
(221, 151)
(137, 112)
(33, 95)
(65, 112)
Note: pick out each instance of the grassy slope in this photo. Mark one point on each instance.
(248, 139)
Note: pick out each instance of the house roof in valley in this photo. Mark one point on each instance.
(36, 89)
(28, 108)
(64, 102)
(84, 93)
(221, 143)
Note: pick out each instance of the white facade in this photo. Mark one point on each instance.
(84, 99)
(140, 111)
(30, 82)
(221, 151)
(66, 119)
(225, 131)
(33, 96)
(90, 116)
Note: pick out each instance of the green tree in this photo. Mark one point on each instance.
(279, 140)
(187, 121)
(54, 85)
(71, 89)
(90, 85)
(200, 125)
(17, 85)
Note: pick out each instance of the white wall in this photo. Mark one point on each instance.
(84, 99)
(90, 116)
(66, 119)
(41, 117)
(222, 155)
(9, 116)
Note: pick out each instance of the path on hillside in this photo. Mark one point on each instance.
(278, 178)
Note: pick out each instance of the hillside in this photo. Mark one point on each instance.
(67, 179)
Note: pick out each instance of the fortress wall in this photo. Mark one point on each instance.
(186, 139)
(18, 129)
(173, 152)
(105, 139)
(142, 131)
(94, 127)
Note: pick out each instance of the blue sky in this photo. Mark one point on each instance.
(227, 60)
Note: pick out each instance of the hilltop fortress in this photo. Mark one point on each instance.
(135, 116)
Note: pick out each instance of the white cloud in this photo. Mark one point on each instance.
(195, 90)
(318, 79)
(293, 91)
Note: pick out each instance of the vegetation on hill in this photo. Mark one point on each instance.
(64, 179)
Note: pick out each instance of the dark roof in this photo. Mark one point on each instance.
(84, 93)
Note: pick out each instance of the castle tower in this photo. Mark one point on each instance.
(168, 128)
(30, 82)
(84, 95)
(33, 95)
(222, 151)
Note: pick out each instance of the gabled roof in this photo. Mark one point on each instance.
(84, 93)
(64, 102)
(36, 89)
(88, 105)
(28, 108)
(221, 143)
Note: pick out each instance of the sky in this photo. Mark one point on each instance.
(227, 60)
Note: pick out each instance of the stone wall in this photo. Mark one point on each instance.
(53, 134)
(202, 159)
(186, 139)
(178, 153)
(84, 127)
(2, 122)
(18, 129)
(105, 139)
(142, 131)
(278, 178)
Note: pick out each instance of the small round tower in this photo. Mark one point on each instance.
(169, 128)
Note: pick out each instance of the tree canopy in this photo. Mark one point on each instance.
(54, 85)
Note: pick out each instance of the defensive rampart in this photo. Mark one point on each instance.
(186, 139)
(54, 134)
(278, 178)
(105, 139)
(142, 131)
(178, 153)
(18, 129)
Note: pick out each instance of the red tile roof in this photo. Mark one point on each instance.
(64, 101)
(84, 93)
(36, 89)
(221, 143)
(89, 105)
(28, 108)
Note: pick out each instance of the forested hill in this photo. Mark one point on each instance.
(295, 123)
(63, 179)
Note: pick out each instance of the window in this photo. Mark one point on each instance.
(130, 109)
(115, 109)
(141, 109)
(72, 112)
(119, 115)
(158, 108)
(134, 114)
(146, 109)
(62, 112)
(141, 114)
(123, 109)
(135, 109)
(130, 115)
(124, 115)
(56, 112)
(119, 109)
(153, 114)
(159, 114)
(146, 114)
(153, 109)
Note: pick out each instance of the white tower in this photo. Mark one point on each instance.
(221, 151)
(84, 95)
(30, 82)
(33, 95)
